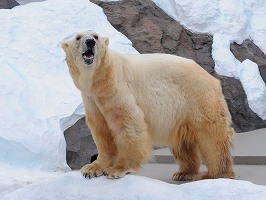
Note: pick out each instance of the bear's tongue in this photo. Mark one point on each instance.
(88, 56)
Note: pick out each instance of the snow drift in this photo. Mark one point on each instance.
(136, 187)
(35, 87)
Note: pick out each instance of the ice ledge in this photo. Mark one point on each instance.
(73, 186)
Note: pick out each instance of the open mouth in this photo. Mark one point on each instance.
(88, 56)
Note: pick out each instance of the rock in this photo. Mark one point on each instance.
(248, 50)
(151, 31)
(81, 148)
(8, 4)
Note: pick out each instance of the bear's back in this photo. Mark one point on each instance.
(169, 87)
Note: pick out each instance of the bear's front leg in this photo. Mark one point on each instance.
(103, 139)
(130, 132)
(133, 149)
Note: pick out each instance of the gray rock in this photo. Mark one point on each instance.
(80, 145)
(8, 4)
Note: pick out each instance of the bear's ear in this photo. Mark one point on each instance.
(64, 45)
(106, 40)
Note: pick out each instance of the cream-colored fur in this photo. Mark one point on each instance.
(135, 101)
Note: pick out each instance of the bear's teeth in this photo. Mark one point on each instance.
(88, 57)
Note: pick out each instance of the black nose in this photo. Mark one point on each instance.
(90, 43)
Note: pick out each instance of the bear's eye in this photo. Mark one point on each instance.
(78, 37)
(95, 36)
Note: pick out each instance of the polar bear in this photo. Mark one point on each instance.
(133, 102)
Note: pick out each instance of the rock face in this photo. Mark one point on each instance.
(8, 4)
(244, 119)
(151, 31)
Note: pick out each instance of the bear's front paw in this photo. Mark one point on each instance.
(118, 171)
(92, 170)
(184, 176)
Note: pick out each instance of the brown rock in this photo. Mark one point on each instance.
(244, 119)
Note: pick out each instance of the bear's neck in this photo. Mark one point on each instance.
(104, 81)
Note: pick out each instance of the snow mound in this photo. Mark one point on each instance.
(228, 21)
(13, 179)
(135, 187)
(38, 98)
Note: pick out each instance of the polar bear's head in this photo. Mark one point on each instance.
(85, 49)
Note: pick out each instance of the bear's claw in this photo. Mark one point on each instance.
(116, 172)
(92, 170)
(184, 176)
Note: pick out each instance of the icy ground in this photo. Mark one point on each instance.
(39, 101)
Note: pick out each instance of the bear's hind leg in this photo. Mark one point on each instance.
(187, 156)
(215, 149)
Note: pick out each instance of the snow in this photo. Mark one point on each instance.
(39, 101)
(228, 21)
(64, 186)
